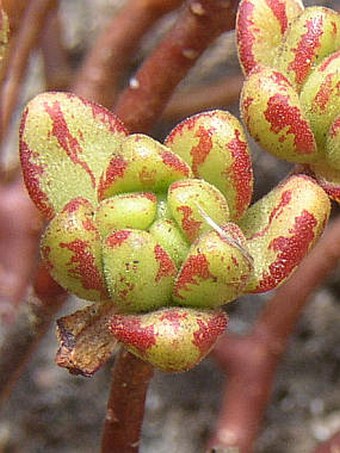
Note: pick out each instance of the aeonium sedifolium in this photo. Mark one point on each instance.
(291, 97)
(157, 236)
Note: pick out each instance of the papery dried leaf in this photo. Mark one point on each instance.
(312, 36)
(65, 142)
(272, 112)
(216, 270)
(193, 200)
(214, 145)
(260, 27)
(139, 273)
(71, 250)
(173, 339)
(282, 227)
(142, 164)
(85, 340)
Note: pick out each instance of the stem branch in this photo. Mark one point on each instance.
(125, 410)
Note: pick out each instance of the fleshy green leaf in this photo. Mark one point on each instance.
(260, 27)
(272, 112)
(142, 164)
(214, 145)
(216, 270)
(312, 36)
(192, 202)
(282, 227)
(132, 210)
(65, 143)
(320, 99)
(173, 339)
(139, 272)
(71, 250)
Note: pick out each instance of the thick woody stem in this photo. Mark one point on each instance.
(198, 25)
(251, 361)
(101, 73)
(124, 416)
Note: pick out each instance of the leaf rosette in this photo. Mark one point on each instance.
(290, 101)
(158, 236)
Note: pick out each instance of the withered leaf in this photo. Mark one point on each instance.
(85, 340)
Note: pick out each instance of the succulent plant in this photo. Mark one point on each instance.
(158, 236)
(290, 101)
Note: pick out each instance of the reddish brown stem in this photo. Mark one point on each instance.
(125, 410)
(199, 24)
(25, 41)
(105, 64)
(58, 73)
(251, 361)
(218, 95)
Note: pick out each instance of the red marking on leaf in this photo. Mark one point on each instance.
(246, 32)
(290, 250)
(117, 238)
(66, 140)
(246, 104)
(129, 287)
(280, 79)
(241, 172)
(173, 161)
(115, 170)
(196, 266)
(189, 224)
(83, 265)
(187, 124)
(89, 225)
(278, 8)
(306, 49)
(174, 316)
(45, 253)
(235, 261)
(147, 176)
(109, 119)
(335, 128)
(76, 203)
(33, 173)
(209, 331)
(325, 91)
(129, 330)
(286, 196)
(167, 267)
(149, 195)
(280, 114)
(329, 60)
(201, 151)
